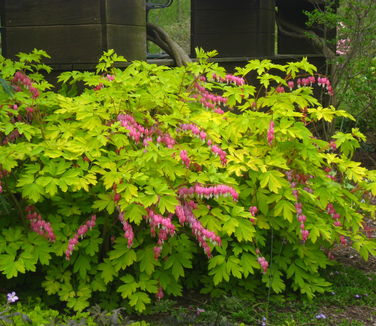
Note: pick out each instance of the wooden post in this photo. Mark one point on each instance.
(74, 32)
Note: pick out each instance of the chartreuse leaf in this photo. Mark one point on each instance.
(248, 262)
(284, 208)
(273, 179)
(364, 246)
(233, 267)
(8, 266)
(134, 213)
(167, 203)
(33, 191)
(245, 230)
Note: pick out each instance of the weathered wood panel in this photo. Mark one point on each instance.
(128, 41)
(246, 44)
(73, 12)
(256, 21)
(65, 44)
(129, 12)
(50, 12)
(74, 31)
(233, 28)
(77, 43)
(230, 4)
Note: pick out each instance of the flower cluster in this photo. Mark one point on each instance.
(202, 135)
(209, 100)
(127, 228)
(184, 158)
(39, 225)
(294, 180)
(21, 80)
(229, 79)
(333, 213)
(165, 226)
(166, 139)
(136, 131)
(186, 216)
(253, 210)
(271, 136)
(325, 83)
(321, 81)
(82, 230)
(263, 263)
(140, 133)
(343, 44)
(209, 192)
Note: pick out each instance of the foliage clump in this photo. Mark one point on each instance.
(153, 179)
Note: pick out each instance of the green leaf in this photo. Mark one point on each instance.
(177, 262)
(147, 284)
(106, 201)
(122, 257)
(218, 269)
(82, 265)
(108, 271)
(138, 300)
(147, 261)
(129, 287)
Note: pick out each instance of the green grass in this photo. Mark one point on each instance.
(351, 302)
(176, 21)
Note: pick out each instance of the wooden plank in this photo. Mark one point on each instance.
(72, 12)
(77, 43)
(65, 44)
(128, 41)
(234, 28)
(241, 44)
(126, 12)
(218, 21)
(50, 12)
(225, 4)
